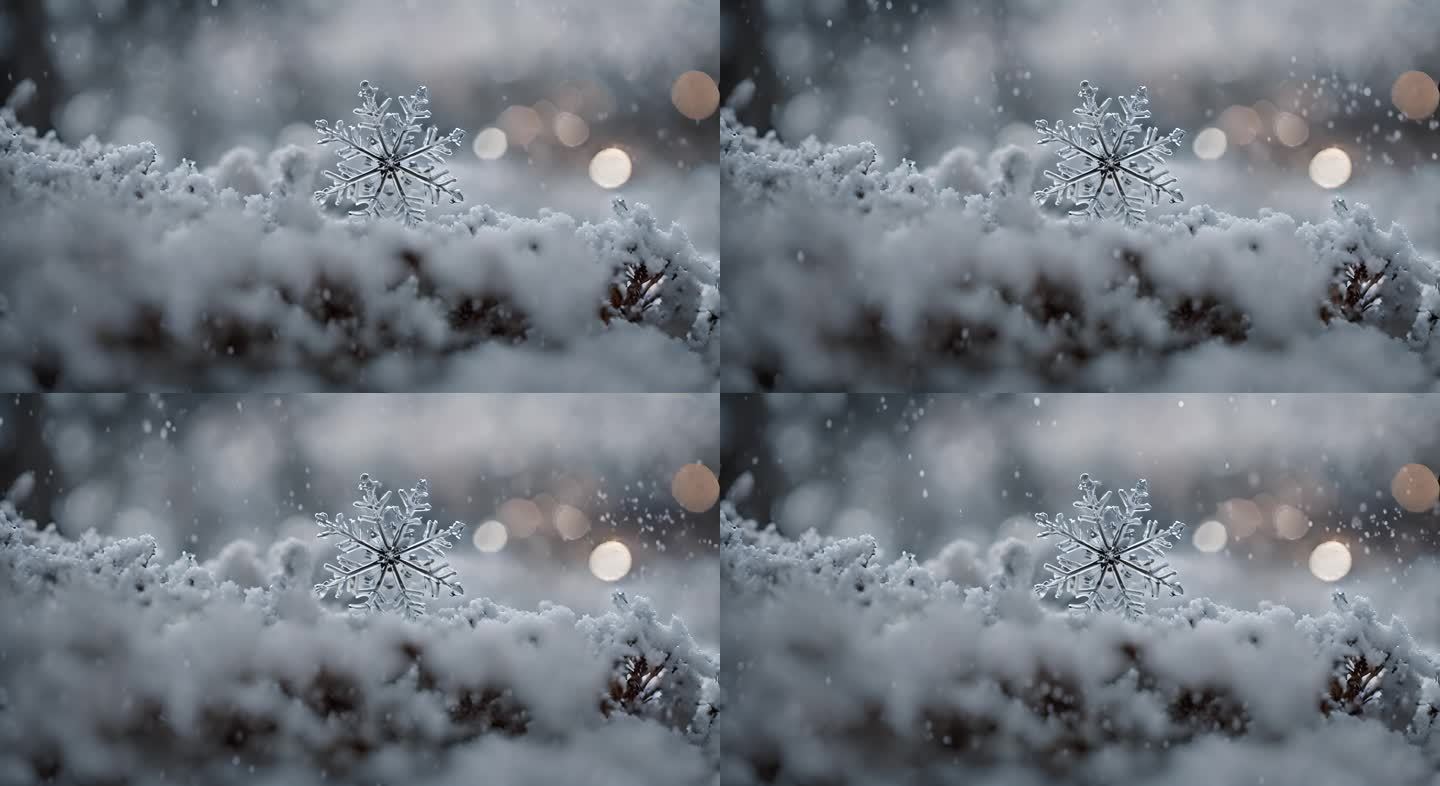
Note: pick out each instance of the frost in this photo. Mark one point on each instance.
(389, 539)
(1102, 146)
(122, 666)
(383, 148)
(1111, 558)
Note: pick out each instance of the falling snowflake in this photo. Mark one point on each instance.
(390, 559)
(1110, 558)
(384, 169)
(1105, 169)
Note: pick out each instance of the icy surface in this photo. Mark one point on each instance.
(1110, 558)
(380, 155)
(233, 278)
(121, 667)
(951, 278)
(1111, 164)
(384, 545)
(844, 666)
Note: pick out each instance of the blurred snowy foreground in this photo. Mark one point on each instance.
(119, 668)
(844, 667)
(952, 278)
(116, 271)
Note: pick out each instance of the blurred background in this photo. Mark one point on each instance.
(563, 101)
(565, 497)
(1285, 497)
(1284, 103)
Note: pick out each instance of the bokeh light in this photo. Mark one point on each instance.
(1415, 488)
(571, 522)
(1415, 95)
(1243, 516)
(1210, 537)
(1330, 561)
(1330, 168)
(695, 94)
(610, 168)
(1290, 522)
(610, 561)
(571, 129)
(521, 124)
(521, 517)
(1241, 124)
(695, 487)
(1291, 129)
(490, 144)
(491, 536)
(1210, 144)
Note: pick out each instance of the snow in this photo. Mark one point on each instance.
(1110, 539)
(1102, 146)
(231, 277)
(122, 667)
(393, 539)
(949, 278)
(846, 666)
(381, 147)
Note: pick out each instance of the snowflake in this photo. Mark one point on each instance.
(389, 557)
(1104, 169)
(383, 168)
(1110, 559)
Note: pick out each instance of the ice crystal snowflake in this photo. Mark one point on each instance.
(390, 558)
(1105, 169)
(384, 169)
(1110, 558)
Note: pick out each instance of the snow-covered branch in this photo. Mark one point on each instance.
(116, 272)
(122, 668)
(845, 667)
(949, 278)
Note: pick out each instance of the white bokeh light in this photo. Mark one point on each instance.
(610, 561)
(610, 168)
(1330, 561)
(1210, 536)
(1330, 168)
(1210, 144)
(491, 536)
(490, 144)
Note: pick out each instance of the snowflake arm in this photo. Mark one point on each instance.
(391, 557)
(383, 170)
(1104, 170)
(1110, 558)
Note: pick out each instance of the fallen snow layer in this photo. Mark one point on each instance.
(844, 667)
(119, 668)
(850, 275)
(118, 273)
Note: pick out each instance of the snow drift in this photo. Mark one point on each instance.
(117, 667)
(846, 667)
(951, 278)
(116, 272)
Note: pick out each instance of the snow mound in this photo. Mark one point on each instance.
(845, 667)
(116, 272)
(118, 667)
(952, 278)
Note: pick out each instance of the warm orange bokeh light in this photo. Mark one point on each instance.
(695, 487)
(695, 94)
